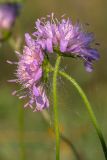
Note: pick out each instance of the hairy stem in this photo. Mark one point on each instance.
(89, 109)
(47, 118)
(55, 107)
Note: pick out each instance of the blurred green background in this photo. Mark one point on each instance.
(74, 120)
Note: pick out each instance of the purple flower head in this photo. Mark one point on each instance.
(29, 70)
(29, 74)
(66, 37)
(8, 13)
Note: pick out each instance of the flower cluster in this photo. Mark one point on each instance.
(67, 38)
(52, 35)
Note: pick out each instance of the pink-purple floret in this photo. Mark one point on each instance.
(29, 74)
(50, 35)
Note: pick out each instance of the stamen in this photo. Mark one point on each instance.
(12, 80)
(10, 62)
(14, 92)
(22, 97)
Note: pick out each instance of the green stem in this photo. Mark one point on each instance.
(90, 111)
(21, 133)
(63, 138)
(55, 107)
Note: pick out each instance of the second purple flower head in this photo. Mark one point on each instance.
(67, 38)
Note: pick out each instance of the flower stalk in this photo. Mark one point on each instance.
(55, 107)
(47, 118)
(89, 109)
